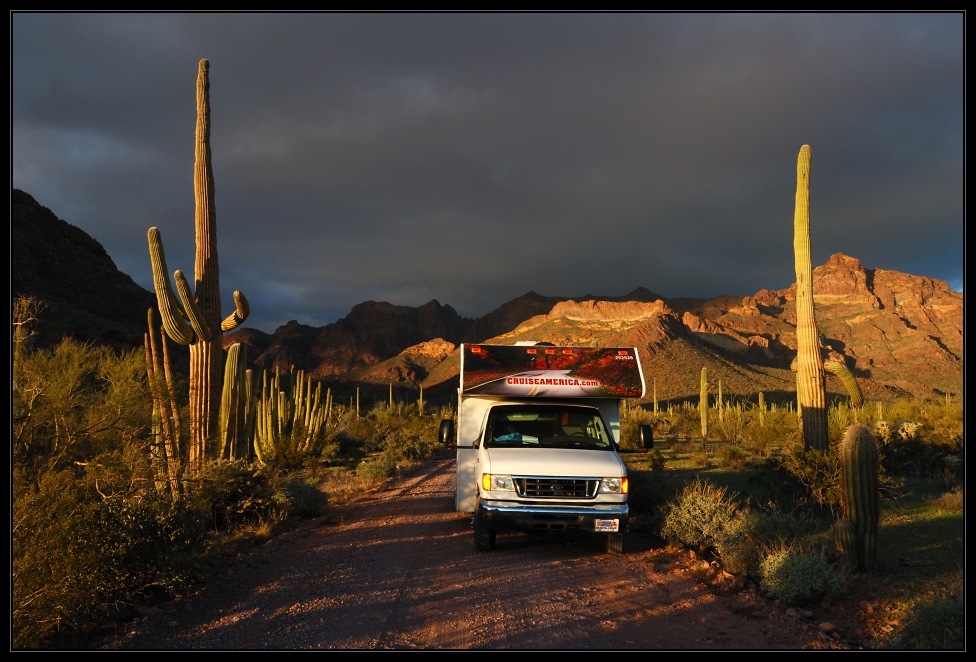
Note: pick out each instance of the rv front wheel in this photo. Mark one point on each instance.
(484, 538)
(615, 543)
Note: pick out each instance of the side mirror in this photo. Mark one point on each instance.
(645, 436)
(446, 432)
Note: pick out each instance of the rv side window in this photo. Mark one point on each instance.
(546, 426)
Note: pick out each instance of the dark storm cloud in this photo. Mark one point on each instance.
(471, 158)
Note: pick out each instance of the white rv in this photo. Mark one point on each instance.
(538, 439)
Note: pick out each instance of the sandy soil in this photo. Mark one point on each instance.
(398, 570)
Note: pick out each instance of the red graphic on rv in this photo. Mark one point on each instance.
(541, 371)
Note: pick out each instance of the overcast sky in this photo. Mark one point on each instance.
(472, 158)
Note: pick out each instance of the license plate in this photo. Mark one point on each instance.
(608, 525)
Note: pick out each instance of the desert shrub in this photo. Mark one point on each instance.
(741, 547)
(80, 560)
(74, 402)
(233, 493)
(732, 457)
(951, 501)
(301, 498)
(686, 421)
(657, 460)
(758, 438)
(412, 441)
(914, 456)
(628, 426)
(701, 457)
(732, 424)
(797, 577)
(699, 514)
(378, 467)
(809, 476)
(936, 623)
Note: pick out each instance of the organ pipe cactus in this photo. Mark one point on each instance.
(810, 376)
(859, 487)
(194, 319)
(290, 423)
(703, 403)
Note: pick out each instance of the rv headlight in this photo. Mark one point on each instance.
(614, 485)
(497, 482)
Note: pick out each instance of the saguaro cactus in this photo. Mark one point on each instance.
(236, 406)
(810, 376)
(703, 404)
(859, 485)
(197, 321)
(166, 413)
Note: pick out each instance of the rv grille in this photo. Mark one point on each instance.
(533, 487)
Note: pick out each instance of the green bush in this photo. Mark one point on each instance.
(699, 515)
(634, 417)
(951, 501)
(657, 460)
(378, 467)
(233, 493)
(798, 578)
(701, 457)
(80, 561)
(302, 498)
(740, 547)
(732, 457)
(936, 623)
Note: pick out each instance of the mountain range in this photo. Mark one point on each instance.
(898, 333)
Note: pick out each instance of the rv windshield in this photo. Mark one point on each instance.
(547, 426)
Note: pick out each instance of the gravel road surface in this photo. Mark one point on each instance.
(398, 569)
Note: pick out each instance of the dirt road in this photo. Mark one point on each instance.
(399, 569)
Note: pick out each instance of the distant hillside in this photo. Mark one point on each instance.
(898, 333)
(86, 296)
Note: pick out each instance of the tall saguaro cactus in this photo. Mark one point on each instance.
(197, 321)
(810, 375)
(703, 404)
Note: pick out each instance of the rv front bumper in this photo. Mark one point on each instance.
(591, 517)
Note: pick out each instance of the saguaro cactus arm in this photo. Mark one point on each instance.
(172, 313)
(236, 318)
(840, 370)
(197, 321)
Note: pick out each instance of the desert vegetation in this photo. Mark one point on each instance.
(99, 532)
(774, 512)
